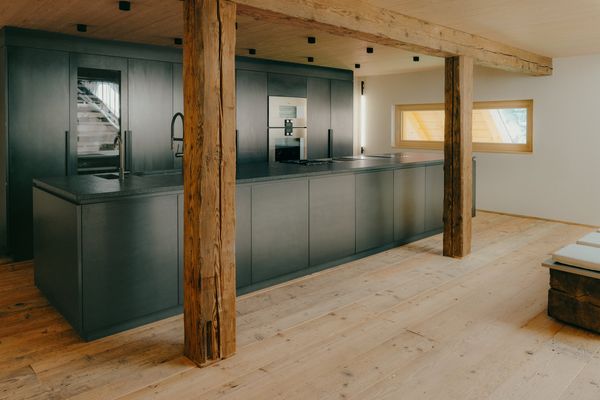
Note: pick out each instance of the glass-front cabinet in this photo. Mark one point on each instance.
(98, 120)
(98, 113)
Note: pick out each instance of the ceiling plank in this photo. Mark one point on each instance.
(362, 21)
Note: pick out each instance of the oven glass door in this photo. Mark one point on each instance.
(283, 147)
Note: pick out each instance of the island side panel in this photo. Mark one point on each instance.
(56, 243)
(130, 260)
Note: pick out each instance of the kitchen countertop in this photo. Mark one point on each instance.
(84, 189)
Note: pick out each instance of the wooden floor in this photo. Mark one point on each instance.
(404, 324)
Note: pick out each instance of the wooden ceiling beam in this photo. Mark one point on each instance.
(362, 21)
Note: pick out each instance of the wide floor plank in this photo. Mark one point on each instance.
(405, 323)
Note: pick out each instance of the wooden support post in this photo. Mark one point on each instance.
(209, 179)
(458, 174)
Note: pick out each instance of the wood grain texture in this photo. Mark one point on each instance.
(363, 21)
(458, 145)
(209, 180)
(406, 323)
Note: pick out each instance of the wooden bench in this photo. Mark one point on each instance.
(574, 295)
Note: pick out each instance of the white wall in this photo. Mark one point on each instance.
(561, 179)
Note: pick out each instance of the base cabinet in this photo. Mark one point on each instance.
(279, 228)
(409, 203)
(332, 219)
(374, 210)
(434, 197)
(117, 262)
(243, 235)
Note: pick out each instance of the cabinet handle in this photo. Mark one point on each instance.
(67, 151)
(330, 140)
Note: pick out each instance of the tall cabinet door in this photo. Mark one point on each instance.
(178, 107)
(342, 111)
(251, 97)
(38, 109)
(150, 113)
(319, 117)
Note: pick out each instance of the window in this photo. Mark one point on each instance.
(498, 126)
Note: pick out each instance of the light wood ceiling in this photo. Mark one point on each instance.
(554, 28)
(549, 27)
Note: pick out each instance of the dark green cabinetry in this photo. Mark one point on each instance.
(38, 125)
(108, 266)
(434, 200)
(374, 209)
(342, 120)
(409, 203)
(287, 85)
(243, 235)
(122, 280)
(251, 97)
(319, 117)
(279, 228)
(332, 218)
(178, 106)
(150, 113)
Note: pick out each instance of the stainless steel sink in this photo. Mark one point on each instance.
(108, 176)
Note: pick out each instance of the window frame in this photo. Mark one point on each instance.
(477, 146)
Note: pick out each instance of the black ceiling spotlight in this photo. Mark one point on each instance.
(370, 50)
(125, 5)
(312, 40)
(81, 28)
(357, 66)
(252, 51)
(178, 41)
(416, 58)
(310, 59)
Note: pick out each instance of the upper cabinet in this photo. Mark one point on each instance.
(319, 117)
(150, 113)
(342, 117)
(251, 97)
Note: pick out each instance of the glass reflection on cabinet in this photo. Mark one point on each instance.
(98, 120)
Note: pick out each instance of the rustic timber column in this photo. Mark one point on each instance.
(209, 179)
(458, 174)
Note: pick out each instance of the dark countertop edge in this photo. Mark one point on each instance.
(165, 190)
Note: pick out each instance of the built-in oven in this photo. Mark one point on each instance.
(287, 128)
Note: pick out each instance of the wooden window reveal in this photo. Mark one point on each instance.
(498, 126)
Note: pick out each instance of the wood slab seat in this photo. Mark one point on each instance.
(591, 239)
(574, 295)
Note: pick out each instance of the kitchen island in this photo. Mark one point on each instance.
(109, 254)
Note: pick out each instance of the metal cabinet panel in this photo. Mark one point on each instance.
(243, 235)
(434, 197)
(374, 209)
(38, 106)
(251, 98)
(150, 113)
(409, 202)
(287, 85)
(342, 117)
(319, 117)
(279, 228)
(180, 248)
(332, 216)
(56, 245)
(178, 105)
(129, 260)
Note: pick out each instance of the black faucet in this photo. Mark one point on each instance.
(173, 138)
